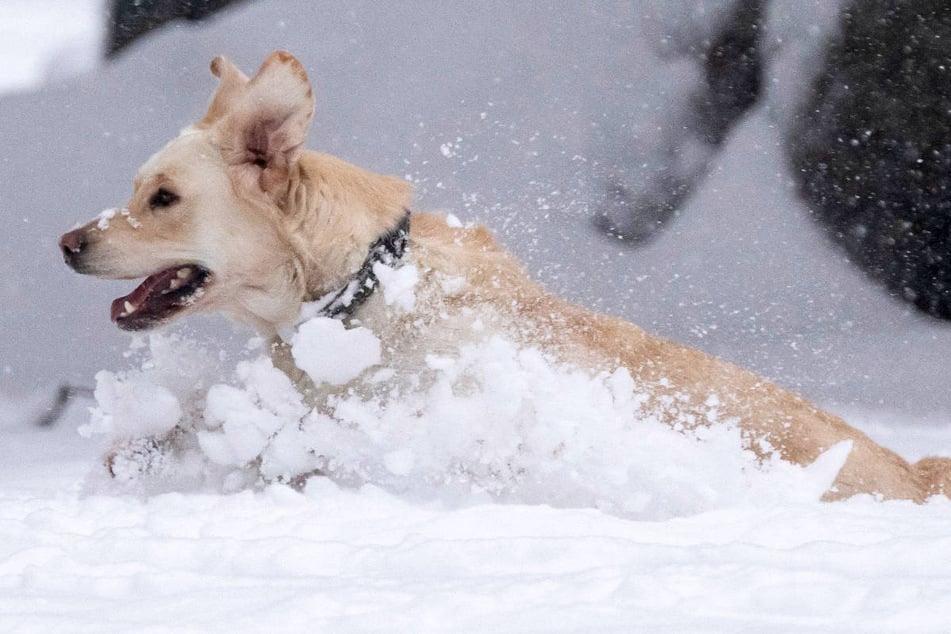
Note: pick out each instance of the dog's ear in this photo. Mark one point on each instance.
(263, 132)
(231, 82)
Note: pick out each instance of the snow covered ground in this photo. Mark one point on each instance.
(357, 560)
(81, 555)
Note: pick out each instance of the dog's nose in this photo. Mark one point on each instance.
(72, 244)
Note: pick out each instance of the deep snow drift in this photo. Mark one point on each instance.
(493, 422)
(344, 559)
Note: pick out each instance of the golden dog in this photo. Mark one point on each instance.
(235, 215)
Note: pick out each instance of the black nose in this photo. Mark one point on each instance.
(72, 245)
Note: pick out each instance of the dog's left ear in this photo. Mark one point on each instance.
(231, 83)
(263, 134)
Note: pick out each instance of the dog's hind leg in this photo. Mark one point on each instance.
(936, 474)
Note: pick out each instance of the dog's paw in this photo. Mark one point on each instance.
(136, 458)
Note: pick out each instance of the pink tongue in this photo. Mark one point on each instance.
(140, 296)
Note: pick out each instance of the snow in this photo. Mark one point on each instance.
(491, 421)
(397, 285)
(357, 559)
(330, 353)
(142, 408)
(507, 493)
(458, 507)
(105, 217)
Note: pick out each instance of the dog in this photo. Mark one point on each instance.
(235, 215)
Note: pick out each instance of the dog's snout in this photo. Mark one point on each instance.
(72, 245)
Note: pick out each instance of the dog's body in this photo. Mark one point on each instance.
(234, 215)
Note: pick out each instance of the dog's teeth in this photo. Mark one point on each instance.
(129, 308)
(175, 284)
(183, 273)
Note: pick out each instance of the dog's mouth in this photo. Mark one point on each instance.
(160, 297)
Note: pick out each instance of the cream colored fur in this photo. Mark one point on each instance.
(278, 226)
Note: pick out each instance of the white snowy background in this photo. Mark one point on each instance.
(497, 111)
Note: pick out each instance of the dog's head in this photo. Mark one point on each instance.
(204, 223)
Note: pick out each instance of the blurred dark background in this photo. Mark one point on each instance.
(869, 142)
(130, 19)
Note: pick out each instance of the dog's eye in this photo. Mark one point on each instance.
(163, 198)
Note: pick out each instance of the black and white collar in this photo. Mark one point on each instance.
(388, 250)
